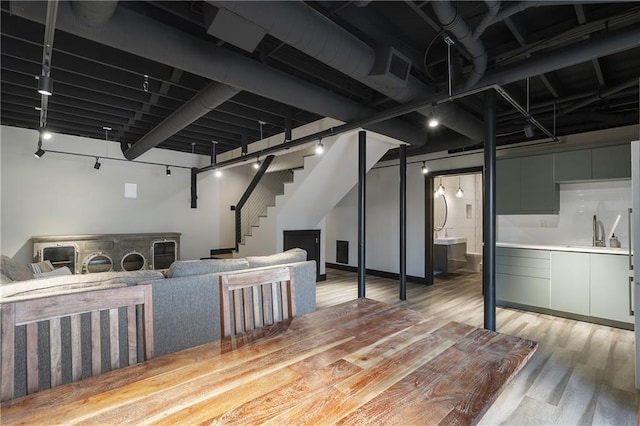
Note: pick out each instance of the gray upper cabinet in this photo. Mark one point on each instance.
(613, 162)
(610, 162)
(526, 186)
(573, 165)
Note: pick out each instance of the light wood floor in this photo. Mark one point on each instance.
(581, 374)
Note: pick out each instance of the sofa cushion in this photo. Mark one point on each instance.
(185, 268)
(290, 256)
(16, 271)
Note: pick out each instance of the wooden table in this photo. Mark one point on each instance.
(361, 362)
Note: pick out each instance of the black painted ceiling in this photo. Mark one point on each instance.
(97, 85)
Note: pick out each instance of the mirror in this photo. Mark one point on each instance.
(439, 212)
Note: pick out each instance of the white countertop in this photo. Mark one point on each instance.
(447, 241)
(578, 249)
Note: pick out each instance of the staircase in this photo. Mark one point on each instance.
(316, 189)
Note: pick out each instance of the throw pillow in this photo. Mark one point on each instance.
(289, 256)
(15, 270)
(185, 268)
(41, 267)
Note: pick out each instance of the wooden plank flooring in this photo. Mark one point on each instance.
(581, 374)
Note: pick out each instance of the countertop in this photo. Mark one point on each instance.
(576, 248)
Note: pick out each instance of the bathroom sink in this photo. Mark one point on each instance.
(450, 241)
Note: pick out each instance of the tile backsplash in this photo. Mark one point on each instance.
(574, 224)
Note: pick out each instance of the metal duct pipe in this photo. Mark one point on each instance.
(303, 28)
(488, 19)
(93, 13)
(595, 47)
(207, 99)
(452, 22)
(153, 40)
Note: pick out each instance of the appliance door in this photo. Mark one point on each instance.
(634, 243)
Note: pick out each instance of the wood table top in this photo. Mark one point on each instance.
(360, 362)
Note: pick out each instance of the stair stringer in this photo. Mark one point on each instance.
(315, 190)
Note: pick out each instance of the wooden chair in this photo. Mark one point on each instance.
(53, 308)
(260, 297)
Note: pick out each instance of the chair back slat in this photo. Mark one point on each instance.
(52, 309)
(260, 297)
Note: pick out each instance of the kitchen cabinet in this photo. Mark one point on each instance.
(610, 297)
(610, 162)
(523, 276)
(569, 288)
(572, 165)
(526, 185)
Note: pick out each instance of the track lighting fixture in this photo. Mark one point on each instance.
(45, 85)
(97, 164)
(528, 130)
(319, 147)
(40, 152)
(218, 173)
(424, 168)
(168, 172)
(433, 117)
(46, 135)
(256, 165)
(459, 192)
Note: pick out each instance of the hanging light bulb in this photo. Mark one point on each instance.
(168, 171)
(319, 147)
(424, 168)
(440, 190)
(459, 192)
(218, 173)
(256, 165)
(433, 117)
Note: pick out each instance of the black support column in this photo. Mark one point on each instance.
(489, 219)
(428, 230)
(403, 222)
(362, 176)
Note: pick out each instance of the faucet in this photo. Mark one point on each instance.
(598, 233)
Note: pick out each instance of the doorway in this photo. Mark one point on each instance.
(454, 215)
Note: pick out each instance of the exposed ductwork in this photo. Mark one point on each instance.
(209, 98)
(488, 19)
(303, 28)
(453, 23)
(153, 40)
(94, 13)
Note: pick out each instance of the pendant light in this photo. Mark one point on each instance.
(459, 192)
(440, 190)
(319, 147)
(424, 168)
(256, 165)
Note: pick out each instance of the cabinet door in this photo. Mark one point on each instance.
(569, 289)
(572, 165)
(610, 297)
(612, 162)
(537, 185)
(508, 185)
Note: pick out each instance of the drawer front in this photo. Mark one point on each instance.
(523, 271)
(523, 290)
(521, 252)
(524, 262)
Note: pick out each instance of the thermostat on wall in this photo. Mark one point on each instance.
(130, 190)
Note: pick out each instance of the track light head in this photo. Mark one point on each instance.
(97, 164)
(39, 153)
(528, 130)
(45, 85)
(319, 147)
(168, 171)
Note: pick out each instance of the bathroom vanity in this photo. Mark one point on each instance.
(449, 254)
(584, 283)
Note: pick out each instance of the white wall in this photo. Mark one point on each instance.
(62, 194)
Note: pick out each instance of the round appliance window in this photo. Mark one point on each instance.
(133, 261)
(98, 263)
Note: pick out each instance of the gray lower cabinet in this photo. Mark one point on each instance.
(522, 276)
(570, 282)
(610, 286)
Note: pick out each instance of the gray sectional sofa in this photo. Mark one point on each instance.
(186, 307)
